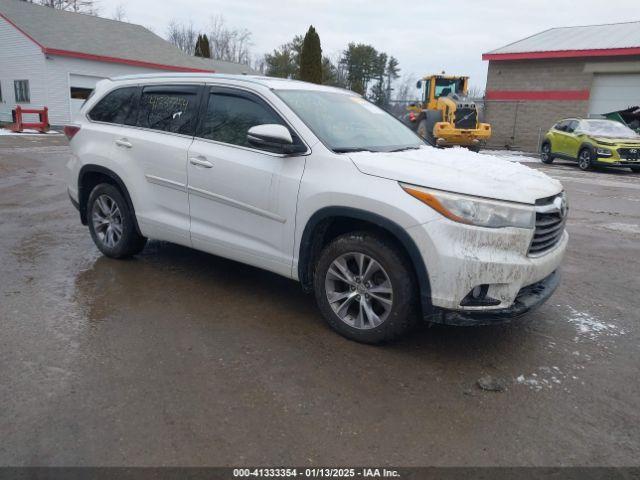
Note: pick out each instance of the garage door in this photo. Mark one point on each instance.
(80, 86)
(611, 92)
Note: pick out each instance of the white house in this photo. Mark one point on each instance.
(54, 58)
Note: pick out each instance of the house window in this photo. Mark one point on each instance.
(80, 93)
(21, 89)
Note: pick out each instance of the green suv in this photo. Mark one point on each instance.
(592, 142)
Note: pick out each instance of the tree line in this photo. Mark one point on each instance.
(359, 67)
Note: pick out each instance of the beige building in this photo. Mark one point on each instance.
(562, 72)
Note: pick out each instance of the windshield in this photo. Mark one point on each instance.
(607, 128)
(446, 86)
(348, 123)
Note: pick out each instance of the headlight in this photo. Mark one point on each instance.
(477, 211)
(605, 152)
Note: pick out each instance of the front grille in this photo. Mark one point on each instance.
(551, 216)
(629, 153)
(466, 117)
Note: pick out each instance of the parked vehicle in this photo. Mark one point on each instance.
(592, 142)
(321, 186)
(445, 115)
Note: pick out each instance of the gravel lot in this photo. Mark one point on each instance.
(181, 358)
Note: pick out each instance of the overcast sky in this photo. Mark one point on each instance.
(426, 36)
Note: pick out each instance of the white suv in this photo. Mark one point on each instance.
(321, 186)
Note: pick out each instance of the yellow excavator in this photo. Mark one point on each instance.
(445, 116)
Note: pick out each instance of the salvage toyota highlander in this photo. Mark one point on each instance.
(319, 185)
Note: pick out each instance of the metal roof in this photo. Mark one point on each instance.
(592, 40)
(58, 32)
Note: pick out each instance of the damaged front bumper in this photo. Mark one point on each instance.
(528, 299)
(461, 259)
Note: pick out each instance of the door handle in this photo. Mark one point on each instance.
(200, 162)
(123, 142)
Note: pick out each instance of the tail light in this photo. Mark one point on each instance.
(71, 130)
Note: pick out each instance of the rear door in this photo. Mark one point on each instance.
(155, 152)
(242, 199)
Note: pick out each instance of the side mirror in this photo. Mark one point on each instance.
(274, 137)
(419, 84)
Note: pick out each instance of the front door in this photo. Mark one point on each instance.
(572, 142)
(242, 199)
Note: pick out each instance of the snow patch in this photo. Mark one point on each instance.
(512, 155)
(26, 131)
(623, 227)
(591, 327)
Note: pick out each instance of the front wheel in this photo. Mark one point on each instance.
(111, 223)
(424, 132)
(545, 153)
(585, 157)
(364, 288)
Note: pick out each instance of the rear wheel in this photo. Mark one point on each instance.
(364, 288)
(111, 223)
(585, 157)
(545, 153)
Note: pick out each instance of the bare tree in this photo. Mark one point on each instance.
(476, 92)
(183, 36)
(78, 6)
(406, 89)
(227, 43)
(120, 13)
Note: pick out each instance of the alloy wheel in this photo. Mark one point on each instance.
(584, 161)
(359, 290)
(107, 220)
(546, 152)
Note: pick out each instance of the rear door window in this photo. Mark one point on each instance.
(169, 108)
(116, 106)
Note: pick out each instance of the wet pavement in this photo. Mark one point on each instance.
(181, 358)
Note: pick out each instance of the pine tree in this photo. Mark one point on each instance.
(311, 57)
(198, 52)
(206, 48)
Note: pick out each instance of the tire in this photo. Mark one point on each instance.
(365, 315)
(111, 223)
(545, 153)
(474, 148)
(585, 158)
(426, 133)
(635, 169)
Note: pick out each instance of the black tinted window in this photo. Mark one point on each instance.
(230, 116)
(573, 124)
(168, 108)
(115, 107)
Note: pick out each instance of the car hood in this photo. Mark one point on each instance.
(461, 171)
(601, 139)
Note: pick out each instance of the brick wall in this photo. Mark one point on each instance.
(519, 124)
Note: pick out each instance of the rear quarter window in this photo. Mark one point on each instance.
(115, 107)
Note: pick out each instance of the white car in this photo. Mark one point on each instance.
(319, 185)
